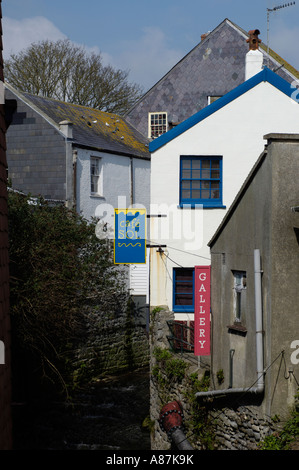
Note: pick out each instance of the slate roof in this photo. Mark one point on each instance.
(91, 128)
(266, 75)
(212, 68)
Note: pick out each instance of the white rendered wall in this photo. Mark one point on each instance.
(116, 182)
(117, 192)
(235, 132)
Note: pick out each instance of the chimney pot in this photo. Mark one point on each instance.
(203, 36)
(253, 39)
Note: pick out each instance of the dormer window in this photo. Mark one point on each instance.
(157, 124)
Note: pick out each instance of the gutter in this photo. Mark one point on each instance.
(260, 383)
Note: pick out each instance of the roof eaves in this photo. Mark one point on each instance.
(139, 156)
(265, 75)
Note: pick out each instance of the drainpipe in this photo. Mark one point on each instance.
(260, 384)
(131, 181)
(171, 421)
(75, 157)
(66, 128)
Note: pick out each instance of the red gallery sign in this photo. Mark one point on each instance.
(202, 310)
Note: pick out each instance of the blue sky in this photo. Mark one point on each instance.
(145, 38)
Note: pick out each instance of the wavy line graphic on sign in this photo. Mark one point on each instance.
(129, 244)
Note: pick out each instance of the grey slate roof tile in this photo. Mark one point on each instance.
(214, 67)
(90, 127)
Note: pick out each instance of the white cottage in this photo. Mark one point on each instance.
(198, 167)
(87, 159)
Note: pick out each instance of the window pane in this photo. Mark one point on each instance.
(158, 124)
(215, 163)
(184, 299)
(195, 173)
(186, 163)
(95, 171)
(94, 184)
(215, 174)
(196, 194)
(196, 184)
(184, 275)
(184, 287)
(205, 174)
(185, 194)
(205, 194)
(196, 163)
(205, 184)
(215, 193)
(205, 163)
(186, 173)
(204, 179)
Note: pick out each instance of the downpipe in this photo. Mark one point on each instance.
(260, 383)
(171, 421)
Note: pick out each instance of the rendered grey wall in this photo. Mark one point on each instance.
(263, 220)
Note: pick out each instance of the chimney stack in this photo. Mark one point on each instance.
(254, 57)
(203, 36)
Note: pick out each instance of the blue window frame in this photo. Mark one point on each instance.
(183, 290)
(201, 180)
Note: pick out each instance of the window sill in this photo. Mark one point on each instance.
(97, 196)
(200, 206)
(183, 310)
(237, 328)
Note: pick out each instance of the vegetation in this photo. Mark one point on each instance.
(282, 440)
(170, 371)
(199, 425)
(63, 284)
(66, 72)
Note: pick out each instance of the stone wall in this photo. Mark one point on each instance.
(115, 345)
(231, 425)
(239, 429)
(122, 347)
(173, 391)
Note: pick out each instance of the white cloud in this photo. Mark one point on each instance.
(19, 34)
(147, 59)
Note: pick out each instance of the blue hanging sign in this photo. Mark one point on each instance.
(130, 236)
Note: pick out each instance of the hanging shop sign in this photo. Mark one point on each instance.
(130, 236)
(202, 306)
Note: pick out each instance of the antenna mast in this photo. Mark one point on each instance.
(270, 10)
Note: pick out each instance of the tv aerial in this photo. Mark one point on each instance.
(271, 10)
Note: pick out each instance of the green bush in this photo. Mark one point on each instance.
(282, 440)
(62, 284)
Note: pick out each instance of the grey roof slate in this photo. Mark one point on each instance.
(91, 128)
(212, 68)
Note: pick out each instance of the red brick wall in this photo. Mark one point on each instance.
(5, 369)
